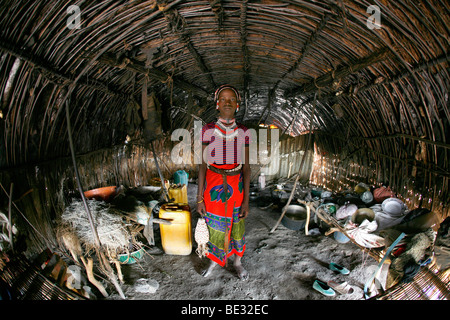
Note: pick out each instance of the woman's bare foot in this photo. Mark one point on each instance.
(242, 273)
(208, 270)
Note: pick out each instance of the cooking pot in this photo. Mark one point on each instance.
(295, 217)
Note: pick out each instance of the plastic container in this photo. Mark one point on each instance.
(131, 257)
(181, 177)
(178, 193)
(340, 237)
(176, 238)
(262, 181)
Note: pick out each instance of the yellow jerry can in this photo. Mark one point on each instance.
(176, 238)
(178, 193)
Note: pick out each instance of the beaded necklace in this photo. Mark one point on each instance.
(230, 131)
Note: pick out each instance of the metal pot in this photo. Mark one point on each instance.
(253, 195)
(295, 217)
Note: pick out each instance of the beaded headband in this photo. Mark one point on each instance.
(223, 87)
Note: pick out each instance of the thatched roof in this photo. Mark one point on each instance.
(387, 86)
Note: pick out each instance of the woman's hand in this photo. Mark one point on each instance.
(244, 210)
(201, 208)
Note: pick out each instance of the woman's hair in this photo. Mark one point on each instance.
(226, 86)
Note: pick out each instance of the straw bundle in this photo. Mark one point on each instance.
(74, 231)
(112, 231)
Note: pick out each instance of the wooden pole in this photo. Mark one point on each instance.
(299, 169)
(163, 185)
(104, 262)
(80, 187)
(9, 217)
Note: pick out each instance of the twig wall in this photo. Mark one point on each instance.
(382, 89)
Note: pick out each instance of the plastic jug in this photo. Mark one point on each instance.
(176, 238)
(178, 193)
(180, 177)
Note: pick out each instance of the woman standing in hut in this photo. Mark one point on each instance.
(224, 182)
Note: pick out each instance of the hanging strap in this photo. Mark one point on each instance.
(227, 227)
(226, 241)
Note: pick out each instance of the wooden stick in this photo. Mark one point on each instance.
(163, 185)
(89, 265)
(80, 187)
(10, 216)
(52, 74)
(107, 267)
(402, 135)
(119, 271)
(343, 71)
(299, 170)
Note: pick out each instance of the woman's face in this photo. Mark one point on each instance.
(227, 103)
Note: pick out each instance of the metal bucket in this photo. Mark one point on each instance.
(295, 217)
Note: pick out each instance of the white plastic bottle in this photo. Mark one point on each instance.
(262, 181)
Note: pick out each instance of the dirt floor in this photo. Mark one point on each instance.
(282, 266)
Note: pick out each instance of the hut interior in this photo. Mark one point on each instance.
(340, 95)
